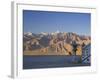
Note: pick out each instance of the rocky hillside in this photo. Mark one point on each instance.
(57, 43)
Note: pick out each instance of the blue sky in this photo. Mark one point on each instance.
(47, 21)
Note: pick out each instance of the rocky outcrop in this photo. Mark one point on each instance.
(57, 43)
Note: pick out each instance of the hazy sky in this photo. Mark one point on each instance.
(44, 21)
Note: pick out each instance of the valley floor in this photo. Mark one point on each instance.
(33, 62)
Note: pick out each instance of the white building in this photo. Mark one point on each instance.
(86, 54)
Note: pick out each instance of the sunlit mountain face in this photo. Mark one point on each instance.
(55, 43)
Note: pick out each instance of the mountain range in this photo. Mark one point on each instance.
(55, 43)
